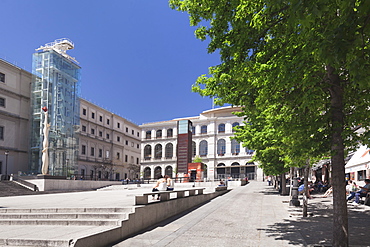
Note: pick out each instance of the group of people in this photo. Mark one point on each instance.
(163, 184)
(357, 192)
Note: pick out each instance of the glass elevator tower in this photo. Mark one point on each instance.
(55, 86)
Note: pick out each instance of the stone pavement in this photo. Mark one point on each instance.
(254, 215)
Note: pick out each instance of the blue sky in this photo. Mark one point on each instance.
(139, 58)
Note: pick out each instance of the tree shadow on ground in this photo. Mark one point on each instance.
(316, 230)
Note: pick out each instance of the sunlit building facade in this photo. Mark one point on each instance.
(15, 86)
(223, 157)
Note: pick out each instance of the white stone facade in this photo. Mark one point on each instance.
(15, 84)
(212, 130)
(109, 145)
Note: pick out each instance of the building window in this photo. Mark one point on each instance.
(83, 128)
(249, 151)
(168, 151)
(203, 129)
(133, 132)
(193, 130)
(221, 147)
(147, 152)
(169, 132)
(126, 130)
(193, 149)
(93, 115)
(119, 125)
(1, 133)
(100, 152)
(138, 134)
(83, 149)
(361, 175)
(93, 131)
(118, 155)
(2, 102)
(107, 136)
(92, 151)
(118, 138)
(235, 147)
(101, 118)
(108, 121)
(126, 142)
(148, 134)
(137, 146)
(158, 151)
(158, 134)
(101, 133)
(137, 161)
(126, 158)
(2, 77)
(221, 128)
(235, 125)
(203, 148)
(84, 111)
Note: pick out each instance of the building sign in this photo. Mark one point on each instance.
(184, 143)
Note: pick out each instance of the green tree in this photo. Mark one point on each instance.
(306, 56)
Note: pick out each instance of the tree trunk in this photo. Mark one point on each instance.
(340, 214)
(283, 184)
(306, 189)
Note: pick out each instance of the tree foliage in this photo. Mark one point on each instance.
(302, 65)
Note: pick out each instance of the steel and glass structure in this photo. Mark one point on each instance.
(56, 86)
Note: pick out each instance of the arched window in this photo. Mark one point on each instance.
(147, 152)
(169, 151)
(221, 147)
(203, 148)
(170, 133)
(221, 171)
(234, 125)
(148, 134)
(221, 128)
(235, 171)
(147, 173)
(249, 151)
(158, 134)
(157, 172)
(168, 171)
(235, 147)
(203, 129)
(158, 151)
(193, 148)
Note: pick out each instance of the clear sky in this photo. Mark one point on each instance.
(139, 58)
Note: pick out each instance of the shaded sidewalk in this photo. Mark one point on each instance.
(254, 215)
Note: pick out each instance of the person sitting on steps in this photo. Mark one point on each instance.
(161, 185)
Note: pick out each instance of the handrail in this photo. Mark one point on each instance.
(26, 184)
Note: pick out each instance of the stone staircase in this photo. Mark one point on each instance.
(57, 226)
(10, 188)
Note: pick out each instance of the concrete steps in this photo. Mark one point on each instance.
(57, 226)
(64, 216)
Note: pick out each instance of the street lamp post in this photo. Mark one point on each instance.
(6, 164)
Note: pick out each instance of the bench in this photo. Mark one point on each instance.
(166, 195)
(221, 188)
(367, 199)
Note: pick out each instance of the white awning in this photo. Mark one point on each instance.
(359, 161)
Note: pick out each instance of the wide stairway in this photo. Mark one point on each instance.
(56, 226)
(10, 188)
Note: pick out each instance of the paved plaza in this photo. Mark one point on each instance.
(254, 215)
(251, 215)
